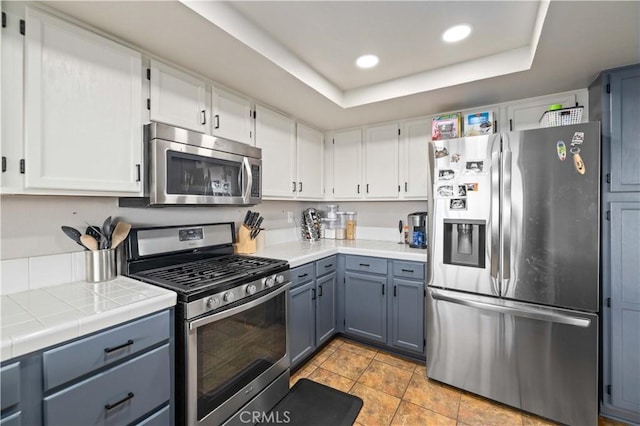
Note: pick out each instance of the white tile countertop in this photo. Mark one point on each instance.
(300, 252)
(36, 319)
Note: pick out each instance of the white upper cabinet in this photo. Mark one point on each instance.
(415, 138)
(381, 161)
(309, 163)
(12, 50)
(177, 98)
(347, 164)
(276, 135)
(83, 109)
(231, 117)
(526, 114)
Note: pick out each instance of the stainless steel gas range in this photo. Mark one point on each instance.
(231, 319)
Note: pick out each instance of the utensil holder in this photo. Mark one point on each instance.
(245, 244)
(100, 265)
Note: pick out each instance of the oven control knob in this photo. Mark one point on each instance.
(229, 297)
(270, 282)
(251, 289)
(213, 302)
(280, 279)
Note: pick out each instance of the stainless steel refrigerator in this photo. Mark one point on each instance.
(513, 270)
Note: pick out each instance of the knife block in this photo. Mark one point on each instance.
(245, 244)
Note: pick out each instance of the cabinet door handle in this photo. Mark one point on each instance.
(122, 346)
(203, 114)
(367, 188)
(358, 188)
(510, 124)
(4, 164)
(406, 186)
(313, 294)
(217, 118)
(302, 276)
(395, 288)
(409, 270)
(129, 396)
(293, 187)
(366, 265)
(299, 186)
(138, 173)
(320, 292)
(329, 265)
(383, 289)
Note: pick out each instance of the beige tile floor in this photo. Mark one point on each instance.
(396, 391)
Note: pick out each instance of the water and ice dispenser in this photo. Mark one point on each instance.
(464, 242)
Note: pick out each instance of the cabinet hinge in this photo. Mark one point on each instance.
(608, 88)
(149, 104)
(4, 20)
(23, 28)
(22, 166)
(608, 177)
(148, 73)
(608, 302)
(608, 214)
(609, 389)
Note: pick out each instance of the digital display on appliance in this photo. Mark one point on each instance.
(190, 234)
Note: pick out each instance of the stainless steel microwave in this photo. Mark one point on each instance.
(190, 168)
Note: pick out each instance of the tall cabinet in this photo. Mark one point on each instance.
(614, 99)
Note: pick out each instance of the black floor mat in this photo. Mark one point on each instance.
(312, 404)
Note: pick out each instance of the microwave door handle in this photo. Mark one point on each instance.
(248, 180)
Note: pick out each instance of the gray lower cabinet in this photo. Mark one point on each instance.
(387, 305)
(365, 305)
(312, 307)
(123, 375)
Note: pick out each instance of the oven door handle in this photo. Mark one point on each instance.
(237, 309)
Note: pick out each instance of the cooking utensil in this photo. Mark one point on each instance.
(120, 234)
(106, 232)
(72, 233)
(247, 217)
(400, 228)
(95, 232)
(89, 242)
(256, 229)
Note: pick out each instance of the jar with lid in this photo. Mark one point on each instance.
(341, 225)
(350, 225)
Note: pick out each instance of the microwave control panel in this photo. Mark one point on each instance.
(255, 184)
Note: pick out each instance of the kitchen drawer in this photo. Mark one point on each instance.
(10, 385)
(75, 359)
(411, 270)
(161, 418)
(13, 420)
(301, 274)
(326, 266)
(114, 397)
(374, 265)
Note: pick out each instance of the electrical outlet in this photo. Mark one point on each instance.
(289, 217)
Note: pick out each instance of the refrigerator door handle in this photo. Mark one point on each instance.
(506, 220)
(538, 314)
(495, 215)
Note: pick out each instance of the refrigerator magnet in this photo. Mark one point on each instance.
(561, 149)
(455, 157)
(446, 174)
(472, 187)
(458, 204)
(445, 191)
(441, 152)
(474, 167)
(577, 161)
(460, 191)
(577, 139)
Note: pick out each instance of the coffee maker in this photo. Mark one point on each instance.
(417, 235)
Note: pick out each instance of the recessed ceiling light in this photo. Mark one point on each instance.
(367, 61)
(457, 33)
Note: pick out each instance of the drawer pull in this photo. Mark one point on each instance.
(366, 265)
(302, 276)
(408, 270)
(115, 348)
(129, 396)
(329, 265)
(320, 292)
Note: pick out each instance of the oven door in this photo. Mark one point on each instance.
(187, 174)
(234, 354)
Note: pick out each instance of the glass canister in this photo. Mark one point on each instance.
(341, 225)
(350, 225)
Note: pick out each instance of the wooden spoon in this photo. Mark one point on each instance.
(120, 234)
(89, 242)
